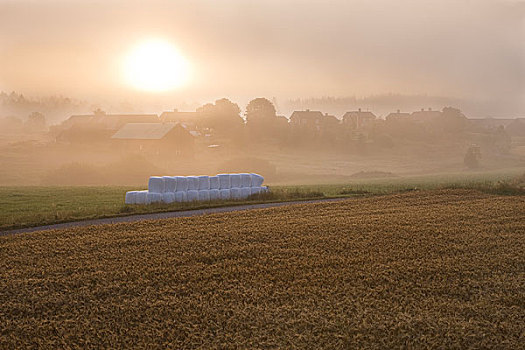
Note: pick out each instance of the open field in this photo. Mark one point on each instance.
(34, 206)
(441, 269)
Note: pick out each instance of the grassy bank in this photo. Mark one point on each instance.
(33, 206)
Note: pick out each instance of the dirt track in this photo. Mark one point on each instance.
(157, 216)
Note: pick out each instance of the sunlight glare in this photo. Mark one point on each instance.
(156, 65)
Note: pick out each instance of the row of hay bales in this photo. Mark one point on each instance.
(178, 189)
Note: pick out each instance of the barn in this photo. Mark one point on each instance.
(169, 140)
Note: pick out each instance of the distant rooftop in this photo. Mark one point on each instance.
(143, 131)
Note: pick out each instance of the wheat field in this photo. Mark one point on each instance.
(422, 269)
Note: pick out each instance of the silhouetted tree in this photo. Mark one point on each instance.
(36, 122)
(223, 117)
(260, 110)
(262, 120)
(452, 120)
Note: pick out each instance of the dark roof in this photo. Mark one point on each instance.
(311, 115)
(360, 115)
(109, 121)
(144, 131)
(425, 116)
(398, 116)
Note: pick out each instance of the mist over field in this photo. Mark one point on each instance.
(107, 61)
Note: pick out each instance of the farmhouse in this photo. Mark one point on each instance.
(356, 120)
(97, 127)
(313, 120)
(425, 116)
(398, 117)
(165, 139)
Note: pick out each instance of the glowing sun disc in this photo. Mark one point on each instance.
(155, 65)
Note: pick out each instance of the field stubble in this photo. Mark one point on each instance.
(420, 269)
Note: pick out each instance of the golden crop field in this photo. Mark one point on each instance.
(438, 269)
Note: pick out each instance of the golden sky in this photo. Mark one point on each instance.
(283, 48)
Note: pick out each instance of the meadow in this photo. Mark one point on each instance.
(28, 206)
(419, 269)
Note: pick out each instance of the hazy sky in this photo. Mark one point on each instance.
(284, 48)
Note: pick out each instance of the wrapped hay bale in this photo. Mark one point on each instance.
(225, 194)
(215, 195)
(246, 192)
(204, 195)
(246, 180)
(170, 183)
(181, 184)
(235, 180)
(214, 182)
(180, 196)
(130, 197)
(224, 181)
(168, 197)
(141, 197)
(257, 180)
(156, 184)
(235, 193)
(153, 197)
(192, 195)
(204, 182)
(256, 190)
(193, 183)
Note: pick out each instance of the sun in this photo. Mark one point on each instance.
(155, 65)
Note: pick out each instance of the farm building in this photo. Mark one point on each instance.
(314, 120)
(398, 116)
(356, 120)
(425, 116)
(97, 127)
(165, 139)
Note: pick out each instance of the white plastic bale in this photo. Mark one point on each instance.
(215, 195)
(154, 197)
(168, 197)
(180, 196)
(246, 192)
(214, 182)
(256, 190)
(257, 180)
(156, 184)
(225, 194)
(130, 197)
(236, 193)
(141, 197)
(192, 195)
(181, 183)
(204, 195)
(246, 180)
(235, 180)
(193, 183)
(224, 181)
(170, 183)
(204, 182)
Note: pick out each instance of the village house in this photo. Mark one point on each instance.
(312, 120)
(357, 120)
(425, 116)
(169, 140)
(398, 116)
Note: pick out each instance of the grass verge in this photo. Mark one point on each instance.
(34, 206)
